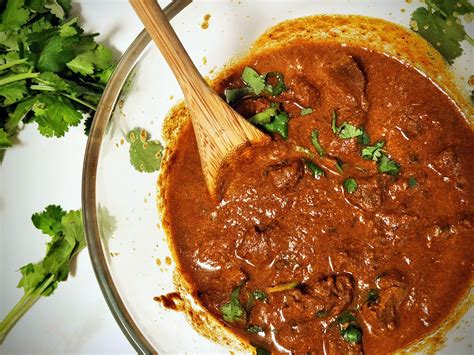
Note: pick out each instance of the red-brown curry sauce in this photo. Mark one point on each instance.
(396, 254)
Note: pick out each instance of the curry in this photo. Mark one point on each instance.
(351, 232)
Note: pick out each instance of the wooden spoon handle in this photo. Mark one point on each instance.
(162, 33)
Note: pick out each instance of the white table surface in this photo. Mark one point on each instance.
(39, 171)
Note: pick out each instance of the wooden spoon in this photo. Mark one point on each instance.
(219, 130)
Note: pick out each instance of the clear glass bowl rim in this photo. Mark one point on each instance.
(89, 174)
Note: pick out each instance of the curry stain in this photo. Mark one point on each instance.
(204, 60)
(471, 80)
(168, 260)
(172, 301)
(358, 31)
(158, 261)
(205, 23)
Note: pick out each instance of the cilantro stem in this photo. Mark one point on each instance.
(79, 101)
(17, 77)
(12, 64)
(22, 306)
(469, 39)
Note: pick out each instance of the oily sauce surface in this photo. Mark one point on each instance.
(396, 254)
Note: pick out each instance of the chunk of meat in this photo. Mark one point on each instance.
(383, 314)
(369, 193)
(254, 247)
(346, 88)
(336, 291)
(447, 163)
(301, 91)
(250, 106)
(286, 175)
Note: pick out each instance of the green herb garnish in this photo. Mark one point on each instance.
(279, 125)
(256, 295)
(274, 90)
(348, 131)
(373, 295)
(254, 80)
(373, 152)
(345, 130)
(412, 182)
(352, 334)
(388, 166)
(50, 71)
(42, 278)
(315, 142)
(272, 120)
(254, 329)
(233, 310)
(439, 24)
(262, 351)
(316, 171)
(306, 111)
(145, 154)
(345, 317)
(266, 116)
(233, 95)
(339, 166)
(350, 185)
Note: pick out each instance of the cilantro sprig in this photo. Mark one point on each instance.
(42, 278)
(440, 25)
(51, 72)
(273, 120)
(266, 84)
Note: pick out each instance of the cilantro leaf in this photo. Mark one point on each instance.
(254, 329)
(54, 114)
(145, 154)
(315, 142)
(440, 28)
(264, 117)
(42, 278)
(49, 221)
(256, 295)
(279, 125)
(233, 95)
(233, 310)
(50, 51)
(5, 142)
(350, 185)
(14, 16)
(347, 131)
(412, 183)
(306, 111)
(450, 7)
(273, 120)
(13, 92)
(388, 166)
(373, 152)
(316, 171)
(86, 63)
(274, 89)
(253, 80)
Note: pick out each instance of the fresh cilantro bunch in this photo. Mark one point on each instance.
(42, 278)
(50, 71)
(439, 24)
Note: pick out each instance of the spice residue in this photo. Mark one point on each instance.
(172, 301)
(205, 22)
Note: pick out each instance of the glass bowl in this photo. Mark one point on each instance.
(128, 248)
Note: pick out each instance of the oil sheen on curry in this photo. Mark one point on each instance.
(351, 231)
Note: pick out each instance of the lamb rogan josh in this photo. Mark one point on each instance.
(351, 232)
